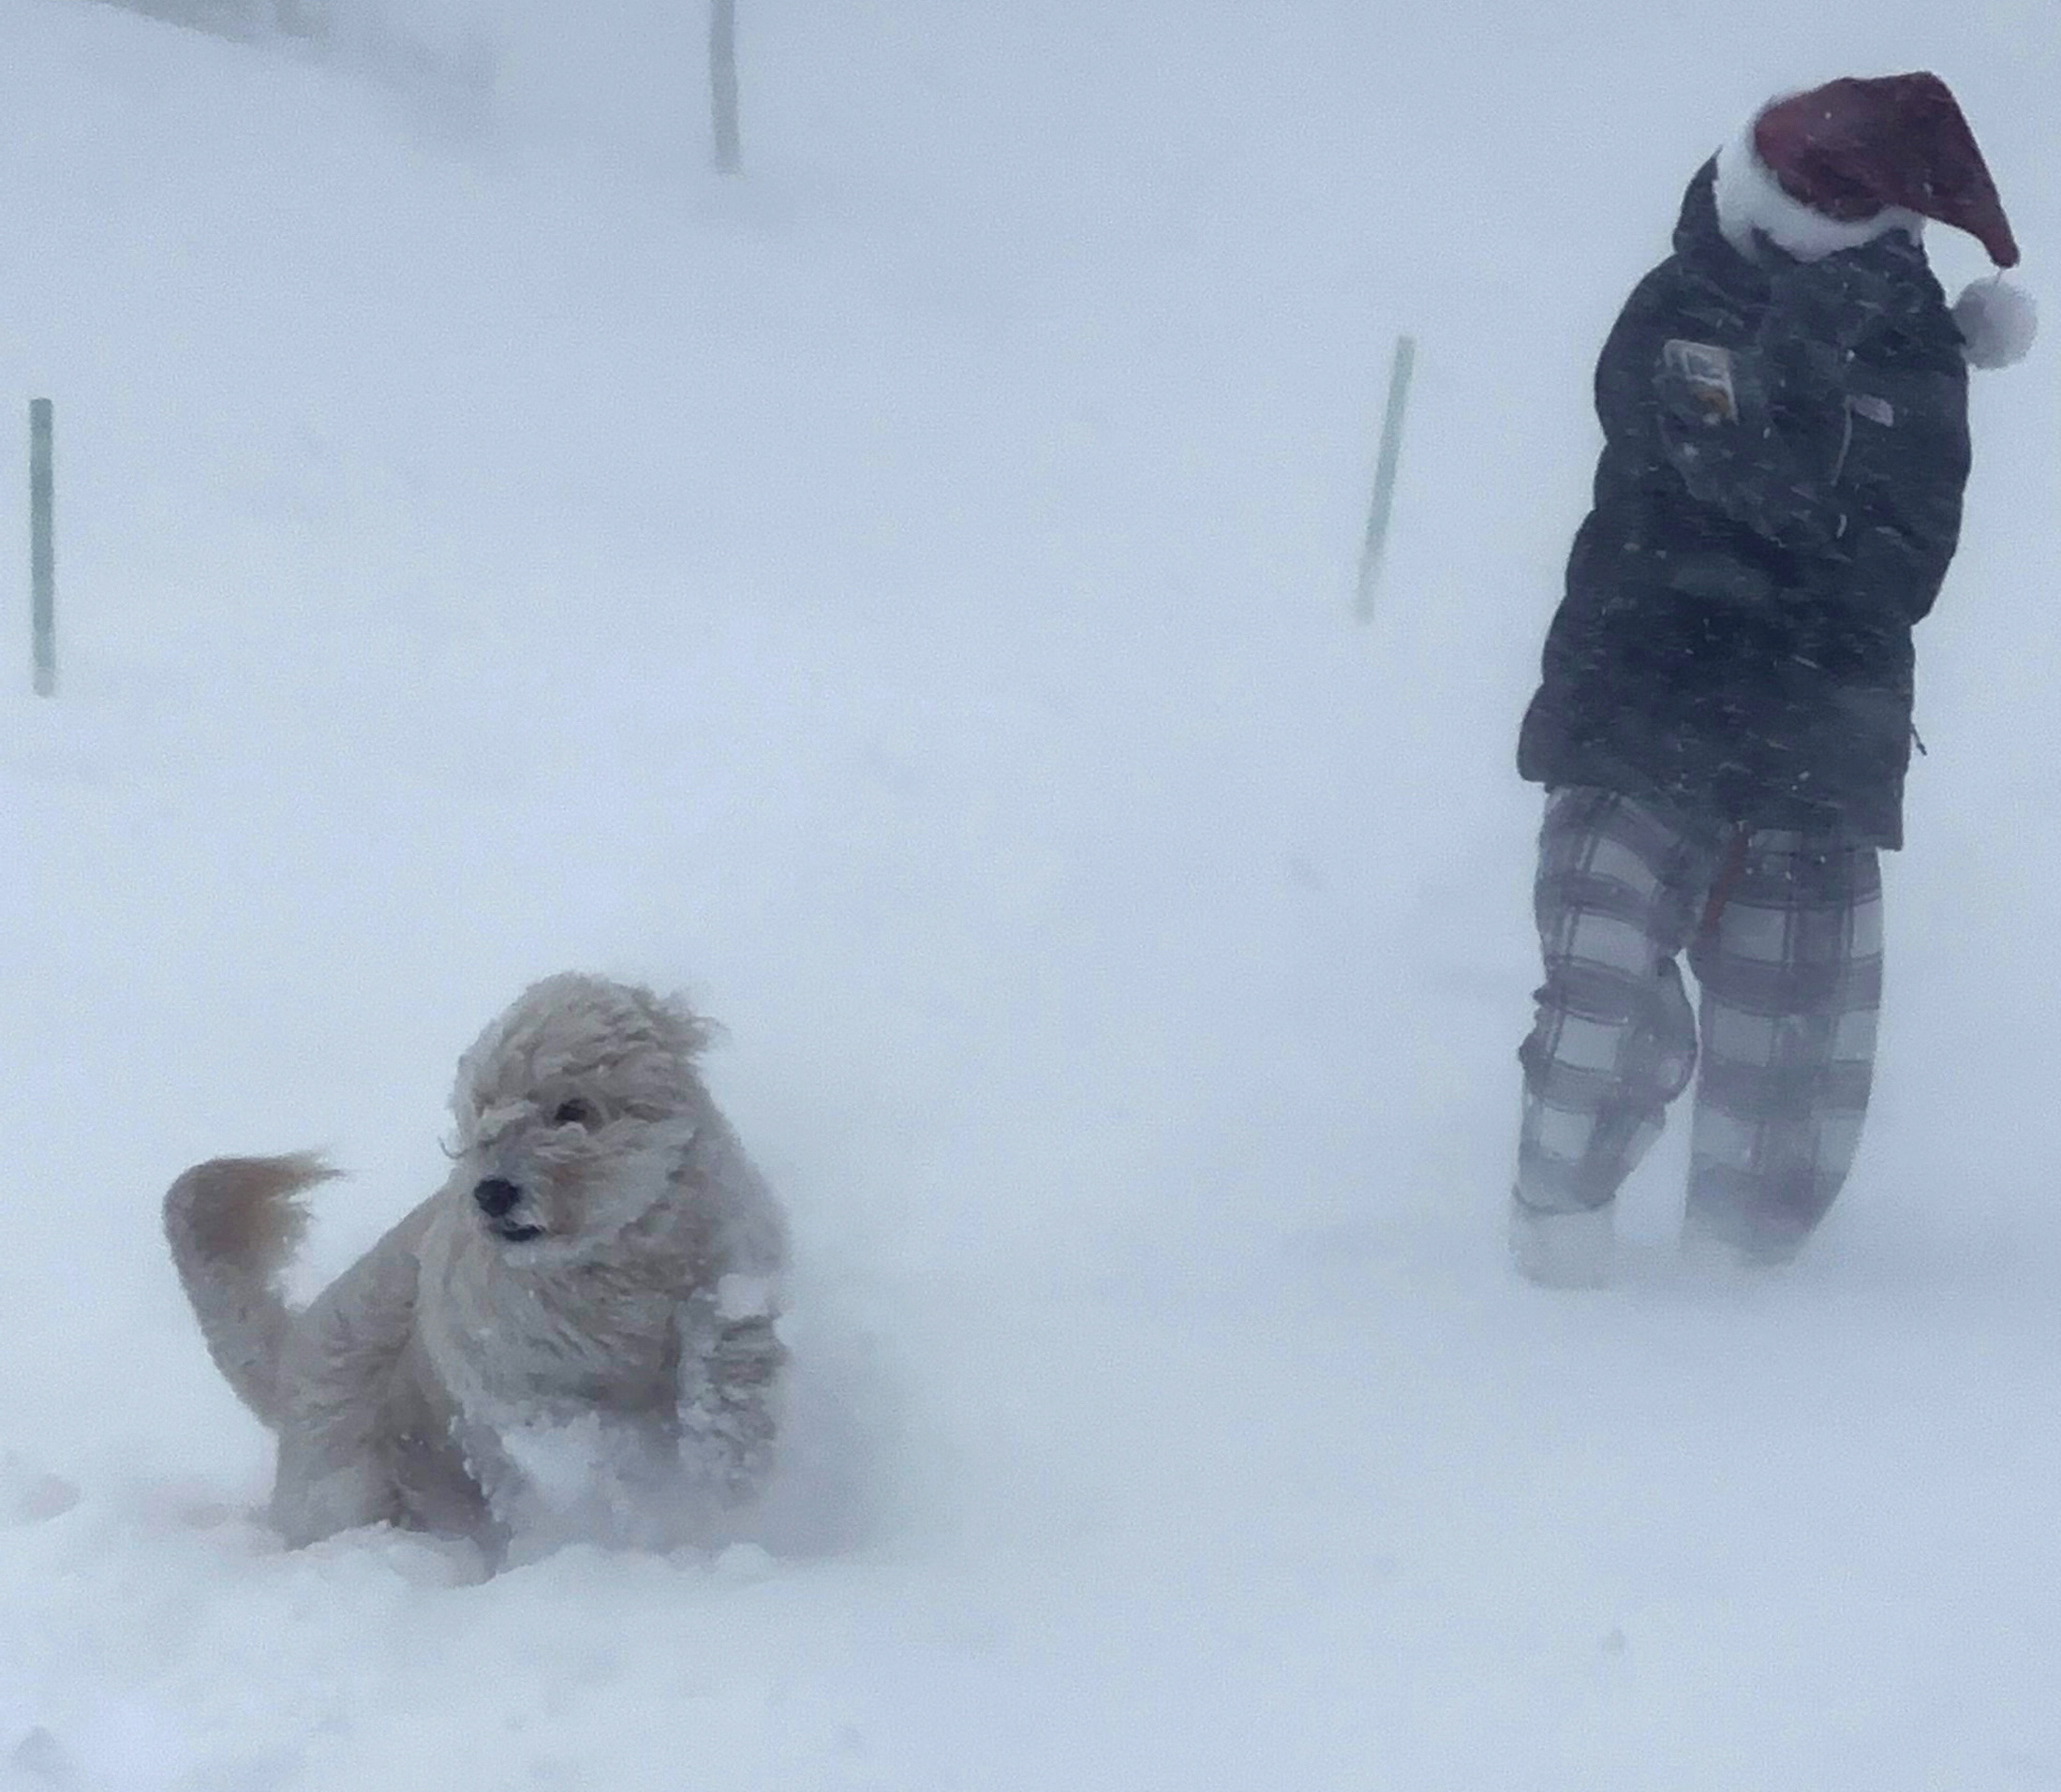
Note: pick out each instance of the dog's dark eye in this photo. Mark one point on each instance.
(573, 1113)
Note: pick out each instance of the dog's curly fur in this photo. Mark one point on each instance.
(576, 1334)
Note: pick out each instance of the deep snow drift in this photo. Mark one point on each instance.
(903, 598)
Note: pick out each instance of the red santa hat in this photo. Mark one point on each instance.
(1845, 163)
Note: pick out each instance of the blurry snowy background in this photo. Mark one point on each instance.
(902, 597)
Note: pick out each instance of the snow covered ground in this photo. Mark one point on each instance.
(902, 597)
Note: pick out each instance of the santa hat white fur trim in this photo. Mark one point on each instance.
(1750, 199)
(1998, 321)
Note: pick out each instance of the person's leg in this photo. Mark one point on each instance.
(1614, 1041)
(1791, 976)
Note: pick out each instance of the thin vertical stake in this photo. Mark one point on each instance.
(1384, 476)
(42, 545)
(722, 83)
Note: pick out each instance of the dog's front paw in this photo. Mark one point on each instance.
(730, 1390)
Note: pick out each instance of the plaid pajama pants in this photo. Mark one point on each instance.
(1784, 933)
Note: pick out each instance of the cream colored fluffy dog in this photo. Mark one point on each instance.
(575, 1337)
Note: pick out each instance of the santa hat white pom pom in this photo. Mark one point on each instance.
(1997, 323)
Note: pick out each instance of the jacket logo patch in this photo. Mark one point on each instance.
(1876, 410)
(1704, 372)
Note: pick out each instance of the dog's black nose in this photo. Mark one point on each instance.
(497, 1196)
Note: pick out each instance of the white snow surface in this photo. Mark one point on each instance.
(902, 597)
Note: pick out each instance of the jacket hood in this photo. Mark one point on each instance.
(1700, 242)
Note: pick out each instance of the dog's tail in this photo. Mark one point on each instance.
(233, 1224)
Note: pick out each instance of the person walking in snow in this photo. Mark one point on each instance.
(1724, 719)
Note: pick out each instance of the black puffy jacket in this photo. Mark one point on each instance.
(1761, 675)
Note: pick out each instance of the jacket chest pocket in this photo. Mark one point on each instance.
(1868, 442)
(1892, 424)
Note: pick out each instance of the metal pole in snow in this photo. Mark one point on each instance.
(722, 83)
(1384, 476)
(42, 546)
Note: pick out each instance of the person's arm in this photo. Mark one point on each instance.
(1907, 495)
